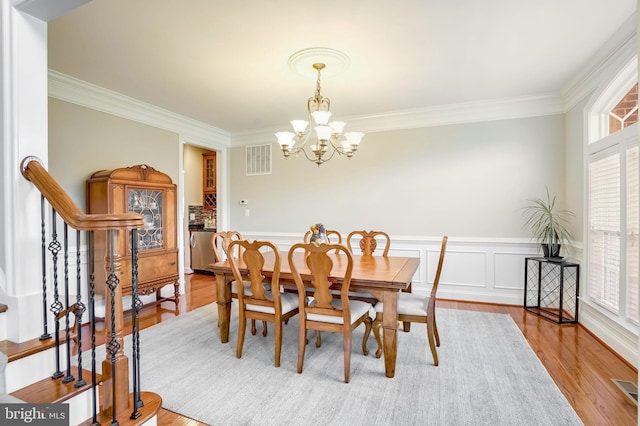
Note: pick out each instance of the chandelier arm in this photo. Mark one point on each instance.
(312, 159)
(337, 147)
(333, 152)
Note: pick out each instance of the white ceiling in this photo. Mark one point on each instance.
(225, 62)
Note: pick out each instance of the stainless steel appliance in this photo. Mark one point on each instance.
(201, 252)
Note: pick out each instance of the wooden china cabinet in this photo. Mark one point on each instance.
(144, 190)
(209, 196)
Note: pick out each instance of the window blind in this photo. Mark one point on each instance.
(633, 228)
(604, 231)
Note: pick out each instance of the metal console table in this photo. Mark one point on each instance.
(551, 288)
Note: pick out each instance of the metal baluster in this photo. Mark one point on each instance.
(113, 347)
(136, 304)
(43, 231)
(56, 306)
(69, 377)
(79, 311)
(92, 319)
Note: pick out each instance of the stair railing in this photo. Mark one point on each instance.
(115, 370)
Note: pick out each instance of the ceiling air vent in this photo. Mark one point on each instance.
(258, 159)
(628, 388)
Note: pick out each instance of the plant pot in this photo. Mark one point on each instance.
(551, 250)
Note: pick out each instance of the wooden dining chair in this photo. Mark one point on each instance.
(260, 300)
(220, 242)
(322, 312)
(368, 242)
(329, 233)
(415, 308)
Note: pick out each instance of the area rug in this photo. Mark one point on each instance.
(488, 375)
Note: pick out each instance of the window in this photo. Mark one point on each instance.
(613, 216)
(625, 113)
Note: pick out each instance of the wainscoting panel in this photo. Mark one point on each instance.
(461, 268)
(508, 266)
(481, 270)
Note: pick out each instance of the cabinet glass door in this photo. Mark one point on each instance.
(148, 203)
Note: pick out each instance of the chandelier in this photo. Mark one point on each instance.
(326, 138)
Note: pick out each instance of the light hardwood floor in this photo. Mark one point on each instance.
(581, 365)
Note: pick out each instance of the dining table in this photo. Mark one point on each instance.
(381, 276)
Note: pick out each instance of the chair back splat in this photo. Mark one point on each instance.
(322, 312)
(369, 241)
(260, 299)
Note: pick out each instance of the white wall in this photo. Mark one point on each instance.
(23, 124)
(574, 165)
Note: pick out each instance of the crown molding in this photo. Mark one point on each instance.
(616, 53)
(470, 112)
(47, 10)
(73, 90)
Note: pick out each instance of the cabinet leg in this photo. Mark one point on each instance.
(176, 292)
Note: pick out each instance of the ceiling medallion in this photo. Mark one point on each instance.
(335, 61)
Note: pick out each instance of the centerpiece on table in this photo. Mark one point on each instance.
(318, 234)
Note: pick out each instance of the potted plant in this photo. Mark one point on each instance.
(548, 225)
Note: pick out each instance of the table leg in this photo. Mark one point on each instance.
(223, 295)
(390, 329)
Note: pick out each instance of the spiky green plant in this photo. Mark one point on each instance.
(547, 224)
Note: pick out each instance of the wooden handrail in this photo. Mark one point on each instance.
(34, 171)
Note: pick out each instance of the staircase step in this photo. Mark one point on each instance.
(53, 390)
(16, 351)
(152, 404)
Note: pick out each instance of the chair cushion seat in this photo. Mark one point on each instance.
(358, 309)
(293, 288)
(362, 294)
(289, 303)
(408, 304)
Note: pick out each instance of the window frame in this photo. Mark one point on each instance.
(600, 144)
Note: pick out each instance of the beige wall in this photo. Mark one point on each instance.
(467, 180)
(193, 175)
(83, 141)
